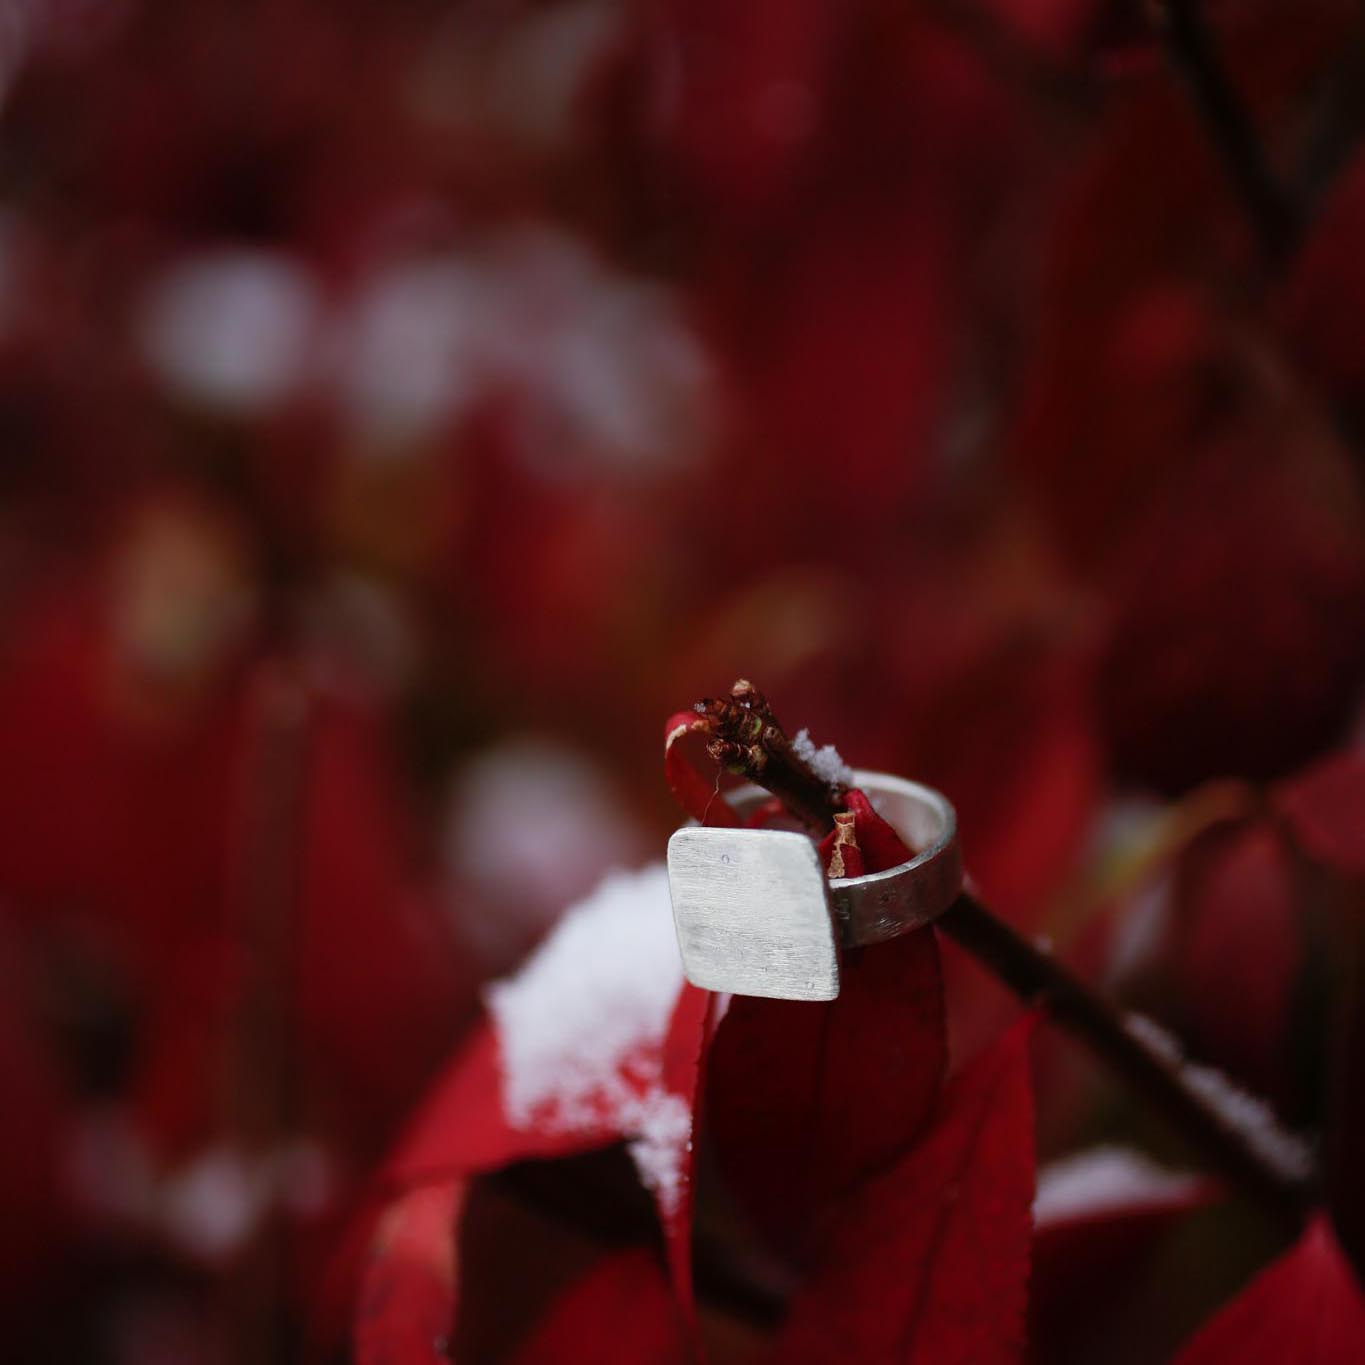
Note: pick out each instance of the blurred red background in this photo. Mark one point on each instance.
(405, 406)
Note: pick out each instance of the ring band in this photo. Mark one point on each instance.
(881, 905)
(756, 914)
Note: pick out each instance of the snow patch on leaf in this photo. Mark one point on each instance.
(1105, 1180)
(664, 1124)
(586, 1015)
(581, 1026)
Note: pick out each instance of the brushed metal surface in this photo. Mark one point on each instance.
(752, 913)
(883, 904)
(756, 916)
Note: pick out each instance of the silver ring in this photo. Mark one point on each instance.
(756, 915)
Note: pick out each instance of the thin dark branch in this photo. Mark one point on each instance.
(1040, 979)
(1193, 53)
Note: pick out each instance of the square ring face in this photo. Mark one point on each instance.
(752, 912)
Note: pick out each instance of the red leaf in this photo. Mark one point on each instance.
(1326, 290)
(807, 1100)
(1088, 1248)
(1226, 656)
(462, 1128)
(843, 838)
(685, 1050)
(1305, 1307)
(696, 793)
(930, 1262)
(1238, 955)
(764, 813)
(744, 89)
(1326, 808)
(881, 845)
(377, 999)
(835, 339)
(619, 1313)
(38, 1116)
(406, 1308)
(874, 845)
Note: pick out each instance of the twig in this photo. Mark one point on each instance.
(748, 740)
(1039, 979)
(1191, 50)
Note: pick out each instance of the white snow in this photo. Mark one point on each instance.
(1249, 1115)
(1254, 1117)
(582, 1024)
(531, 825)
(664, 1124)
(825, 762)
(213, 1205)
(597, 992)
(208, 1205)
(232, 329)
(602, 369)
(406, 346)
(1104, 1180)
(1157, 1038)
